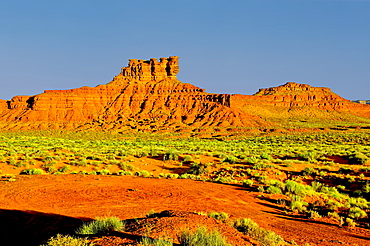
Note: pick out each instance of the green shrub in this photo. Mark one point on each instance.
(245, 225)
(350, 222)
(296, 204)
(230, 159)
(202, 237)
(103, 172)
(314, 215)
(266, 156)
(334, 215)
(221, 216)
(309, 171)
(358, 158)
(152, 214)
(273, 190)
(66, 240)
(357, 202)
(188, 158)
(171, 155)
(198, 169)
(146, 241)
(48, 159)
(251, 228)
(11, 161)
(101, 225)
(126, 167)
(357, 213)
(252, 160)
(294, 188)
(33, 171)
(64, 169)
(247, 182)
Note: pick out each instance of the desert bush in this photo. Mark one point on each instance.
(294, 188)
(313, 214)
(101, 225)
(334, 215)
(172, 176)
(198, 169)
(221, 216)
(202, 237)
(316, 186)
(152, 214)
(66, 240)
(357, 202)
(146, 241)
(296, 204)
(274, 190)
(357, 213)
(32, 171)
(310, 156)
(251, 228)
(252, 160)
(230, 159)
(245, 225)
(266, 156)
(309, 171)
(358, 158)
(11, 161)
(48, 159)
(187, 158)
(103, 172)
(247, 182)
(126, 167)
(64, 169)
(143, 173)
(188, 176)
(51, 169)
(171, 155)
(350, 222)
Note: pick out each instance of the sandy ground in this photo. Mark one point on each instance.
(35, 207)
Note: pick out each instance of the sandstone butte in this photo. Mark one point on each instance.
(146, 95)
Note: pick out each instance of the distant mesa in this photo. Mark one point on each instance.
(362, 101)
(147, 96)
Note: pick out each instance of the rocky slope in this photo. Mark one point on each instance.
(300, 102)
(146, 95)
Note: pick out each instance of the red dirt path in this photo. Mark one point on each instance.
(49, 201)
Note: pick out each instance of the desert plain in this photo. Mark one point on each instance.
(170, 163)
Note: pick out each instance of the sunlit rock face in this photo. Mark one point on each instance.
(147, 95)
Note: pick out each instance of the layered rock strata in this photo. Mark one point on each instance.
(146, 95)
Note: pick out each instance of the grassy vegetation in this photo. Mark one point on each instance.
(202, 237)
(314, 174)
(100, 226)
(67, 240)
(251, 228)
(146, 241)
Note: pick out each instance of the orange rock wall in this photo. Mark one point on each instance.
(147, 95)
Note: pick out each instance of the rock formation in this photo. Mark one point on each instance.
(146, 95)
(152, 70)
(294, 101)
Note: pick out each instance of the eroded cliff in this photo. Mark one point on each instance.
(146, 95)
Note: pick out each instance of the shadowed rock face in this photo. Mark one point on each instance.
(147, 95)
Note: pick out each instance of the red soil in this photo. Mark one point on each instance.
(34, 208)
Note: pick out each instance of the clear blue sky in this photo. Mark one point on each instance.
(233, 46)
